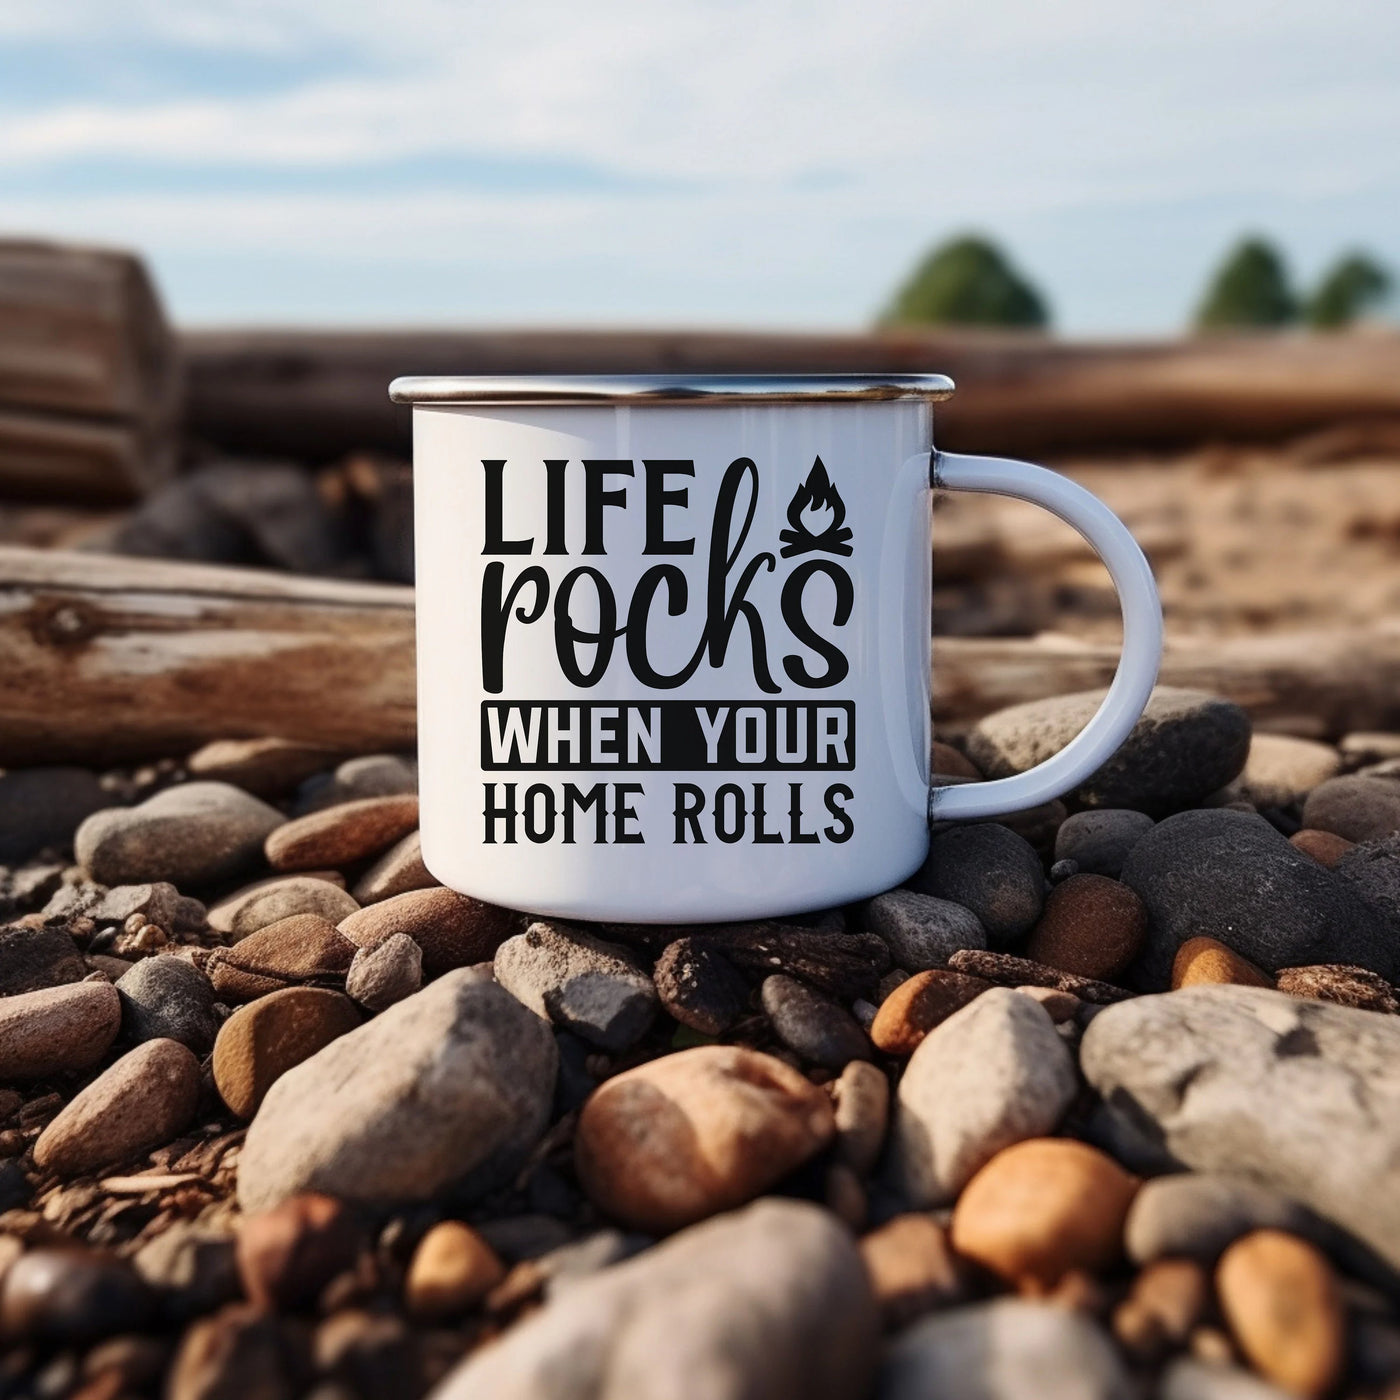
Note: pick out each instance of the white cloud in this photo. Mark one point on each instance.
(793, 132)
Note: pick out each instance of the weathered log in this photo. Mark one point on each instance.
(89, 374)
(106, 660)
(320, 394)
(71, 459)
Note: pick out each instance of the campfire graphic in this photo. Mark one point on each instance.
(816, 513)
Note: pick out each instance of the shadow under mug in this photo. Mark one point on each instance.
(674, 639)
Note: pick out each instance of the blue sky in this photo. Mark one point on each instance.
(731, 162)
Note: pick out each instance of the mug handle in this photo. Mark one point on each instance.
(1142, 634)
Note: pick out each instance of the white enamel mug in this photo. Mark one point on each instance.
(674, 639)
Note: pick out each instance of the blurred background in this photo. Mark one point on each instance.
(1154, 245)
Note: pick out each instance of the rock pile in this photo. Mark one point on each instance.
(1104, 1102)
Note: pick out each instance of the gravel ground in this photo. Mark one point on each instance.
(1105, 1101)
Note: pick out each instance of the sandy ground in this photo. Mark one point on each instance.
(1242, 540)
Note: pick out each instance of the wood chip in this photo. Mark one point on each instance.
(153, 1181)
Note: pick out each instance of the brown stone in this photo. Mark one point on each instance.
(681, 1138)
(57, 1028)
(1204, 960)
(385, 973)
(1358, 807)
(861, 1097)
(912, 1268)
(34, 958)
(1282, 1302)
(452, 1270)
(1077, 1291)
(264, 767)
(1059, 1006)
(69, 1295)
(239, 1353)
(1346, 986)
(304, 950)
(340, 835)
(1167, 1301)
(1325, 847)
(260, 1042)
(399, 870)
(948, 762)
(453, 930)
(1007, 970)
(1282, 769)
(267, 902)
(845, 1196)
(700, 987)
(148, 1097)
(1092, 927)
(919, 1004)
(1042, 1208)
(288, 1254)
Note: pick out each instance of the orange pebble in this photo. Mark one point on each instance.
(1201, 961)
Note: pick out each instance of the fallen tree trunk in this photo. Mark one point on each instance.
(107, 660)
(317, 395)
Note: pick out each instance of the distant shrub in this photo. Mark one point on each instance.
(1250, 289)
(966, 282)
(1354, 284)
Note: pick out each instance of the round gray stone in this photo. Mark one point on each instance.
(818, 1029)
(1186, 745)
(446, 1091)
(167, 997)
(1372, 869)
(190, 834)
(1299, 1095)
(1007, 1349)
(1231, 876)
(764, 1303)
(992, 1074)
(923, 931)
(593, 988)
(990, 870)
(1098, 840)
(1357, 807)
(1199, 1215)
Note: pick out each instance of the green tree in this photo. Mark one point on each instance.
(1353, 285)
(966, 282)
(1250, 289)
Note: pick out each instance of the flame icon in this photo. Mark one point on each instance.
(816, 514)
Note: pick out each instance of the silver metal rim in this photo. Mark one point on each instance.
(670, 388)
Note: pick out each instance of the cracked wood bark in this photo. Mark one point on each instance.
(110, 659)
(107, 659)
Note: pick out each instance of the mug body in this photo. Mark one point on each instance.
(673, 656)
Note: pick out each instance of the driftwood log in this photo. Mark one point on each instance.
(89, 375)
(318, 395)
(107, 659)
(103, 660)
